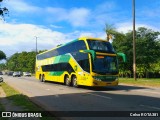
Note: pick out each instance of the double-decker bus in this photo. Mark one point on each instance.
(84, 61)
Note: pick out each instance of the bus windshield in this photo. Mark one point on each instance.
(105, 65)
(100, 46)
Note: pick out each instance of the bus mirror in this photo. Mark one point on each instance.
(92, 52)
(121, 57)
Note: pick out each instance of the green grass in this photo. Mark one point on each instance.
(21, 100)
(150, 82)
(1, 105)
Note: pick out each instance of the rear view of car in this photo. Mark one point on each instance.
(28, 74)
(1, 79)
(10, 73)
(1, 73)
(16, 74)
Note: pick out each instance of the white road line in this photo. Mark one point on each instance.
(153, 107)
(99, 96)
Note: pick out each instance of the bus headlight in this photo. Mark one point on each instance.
(96, 78)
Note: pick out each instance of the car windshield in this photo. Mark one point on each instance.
(105, 65)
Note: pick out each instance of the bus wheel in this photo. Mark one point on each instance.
(74, 81)
(40, 78)
(43, 78)
(66, 80)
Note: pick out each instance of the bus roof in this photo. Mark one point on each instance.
(81, 38)
(91, 38)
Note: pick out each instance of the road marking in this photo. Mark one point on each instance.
(157, 108)
(47, 89)
(99, 96)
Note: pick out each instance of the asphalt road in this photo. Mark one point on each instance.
(57, 97)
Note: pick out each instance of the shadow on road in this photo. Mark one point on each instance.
(91, 105)
(115, 88)
(109, 88)
(94, 99)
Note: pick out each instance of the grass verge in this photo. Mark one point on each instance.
(21, 100)
(148, 82)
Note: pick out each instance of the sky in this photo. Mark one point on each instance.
(55, 22)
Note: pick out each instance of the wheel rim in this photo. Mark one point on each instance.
(74, 81)
(43, 78)
(67, 82)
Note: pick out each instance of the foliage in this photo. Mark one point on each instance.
(24, 61)
(147, 50)
(3, 66)
(2, 55)
(147, 53)
(3, 11)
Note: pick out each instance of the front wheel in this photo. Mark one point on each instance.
(42, 78)
(74, 81)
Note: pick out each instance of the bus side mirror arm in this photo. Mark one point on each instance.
(92, 52)
(121, 56)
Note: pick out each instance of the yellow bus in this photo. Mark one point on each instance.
(84, 61)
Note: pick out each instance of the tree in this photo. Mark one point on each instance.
(2, 66)
(110, 30)
(147, 46)
(112, 33)
(24, 61)
(3, 11)
(148, 54)
(2, 55)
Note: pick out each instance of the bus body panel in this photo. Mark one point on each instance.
(56, 67)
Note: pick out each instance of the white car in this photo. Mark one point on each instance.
(28, 74)
(1, 79)
(16, 74)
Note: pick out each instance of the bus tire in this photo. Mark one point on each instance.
(74, 81)
(66, 80)
(43, 78)
(40, 78)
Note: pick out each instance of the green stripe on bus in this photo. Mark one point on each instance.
(58, 73)
(56, 60)
(62, 59)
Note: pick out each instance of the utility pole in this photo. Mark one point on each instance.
(36, 45)
(134, 41)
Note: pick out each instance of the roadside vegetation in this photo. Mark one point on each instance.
(21, 100)
(146, 82)
(147, 54)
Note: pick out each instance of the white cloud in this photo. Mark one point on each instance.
(22, 37)
(106, 7)
(79, 16)
(59, 13)
(55, 26)
(75, 16)
(127, 26)
(21, 6)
